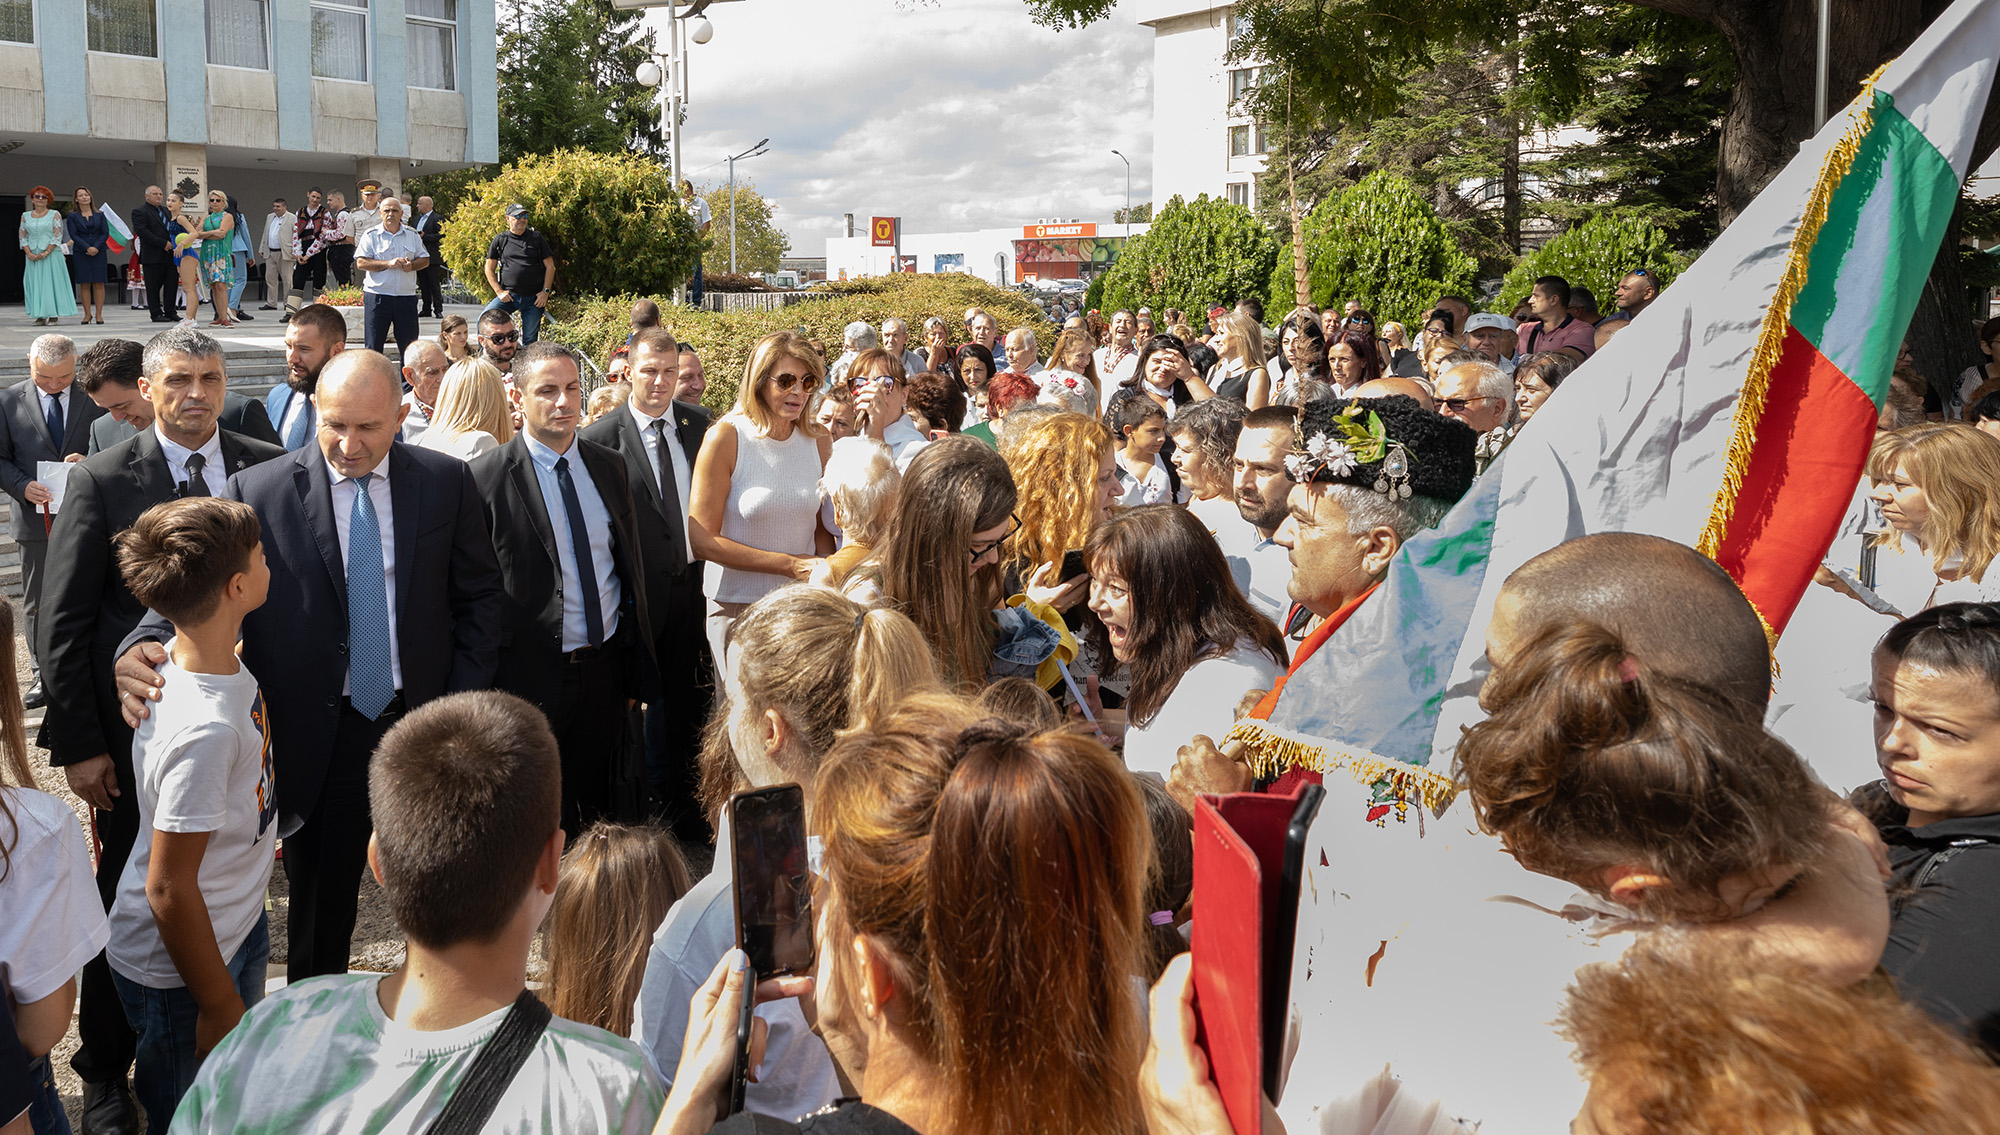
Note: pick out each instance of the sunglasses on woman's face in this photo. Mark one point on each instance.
(788, 382)
(858, 382)
(42, 197)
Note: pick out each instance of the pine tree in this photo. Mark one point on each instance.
(566, 79)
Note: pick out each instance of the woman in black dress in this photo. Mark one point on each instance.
(90, 257)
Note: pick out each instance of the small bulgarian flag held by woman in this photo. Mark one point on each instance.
(120, 240)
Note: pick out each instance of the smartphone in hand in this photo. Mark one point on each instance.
(773, 890)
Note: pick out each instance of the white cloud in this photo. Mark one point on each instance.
(954, 114)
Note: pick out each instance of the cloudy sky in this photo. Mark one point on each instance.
(952, 114)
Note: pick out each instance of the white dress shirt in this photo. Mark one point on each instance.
(905, 441)
(278, 231)
(212, 472)
(683, 477)
(385, 519)
(597, 519)
(381, 244)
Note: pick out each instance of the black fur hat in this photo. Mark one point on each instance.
(1392, 445)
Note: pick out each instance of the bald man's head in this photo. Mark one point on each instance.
(1678, 612)
(1394, 384)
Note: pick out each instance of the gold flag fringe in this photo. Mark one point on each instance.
(1270, 751)
(1771, 337)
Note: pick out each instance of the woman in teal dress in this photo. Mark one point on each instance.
(218, 237)
(50, 296)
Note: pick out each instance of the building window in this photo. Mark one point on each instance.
(432, 43)
(239, 34)
(122, 27)
(1239, 141)
(17, 21)
(1262, 146)
(1239, 193)
(1242, 81)
(340, 39)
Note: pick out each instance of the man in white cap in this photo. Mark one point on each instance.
(1492, 336)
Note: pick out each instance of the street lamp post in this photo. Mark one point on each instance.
(752, 152)
(1128, 193)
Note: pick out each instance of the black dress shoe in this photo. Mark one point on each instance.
(35, 698)
(241, 314)
(267, 307)
(109, 1109)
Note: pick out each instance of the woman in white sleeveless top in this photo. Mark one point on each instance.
(754, 515)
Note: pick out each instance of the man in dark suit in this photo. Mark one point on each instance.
(40, 420)
(151, 226)
(89, 611)
(430, 278)
(658, 439)
(109, 374)
(576, 635)
(384, 595)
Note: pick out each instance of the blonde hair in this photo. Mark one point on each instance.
(1055, 470)
(1242, 340)
(607, 398)
(764, 358)
(616, 885)
(1958, 467)
(861, 480)
(472, 397)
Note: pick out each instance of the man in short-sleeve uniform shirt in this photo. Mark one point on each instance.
(521, 269)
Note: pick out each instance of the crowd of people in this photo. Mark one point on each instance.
(509, 650)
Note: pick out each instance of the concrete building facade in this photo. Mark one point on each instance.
(1204, 141)
(259, 98)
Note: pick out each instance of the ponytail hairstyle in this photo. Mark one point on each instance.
(1001, 874)
(14, 770)
(1587, 762)
(828, 665)
(955, 486)
(1171, 882)
(616, 885)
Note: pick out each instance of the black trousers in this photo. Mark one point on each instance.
(105, 1039)
(324, 859)
(382, 316)
(675, 722)
(589, 719)
(340, 258)
(161, 280)
(430, 290)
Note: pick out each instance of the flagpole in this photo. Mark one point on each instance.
(1819, 69)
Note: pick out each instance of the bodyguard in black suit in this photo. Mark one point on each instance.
(658, 438)
(88, 611)
(383, 596)
(152, 227)
(430, 278)
(44, 419)
(575, 634)
(109, 373)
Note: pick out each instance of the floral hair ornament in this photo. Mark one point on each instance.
(1357, 438)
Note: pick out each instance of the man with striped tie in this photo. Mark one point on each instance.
(314, 337)
(384, 594)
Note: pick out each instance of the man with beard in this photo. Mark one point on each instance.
(316, 334)
(498, 339)
(1262, 489)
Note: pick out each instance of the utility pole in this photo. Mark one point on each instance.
(1128, 193)
(752, 152)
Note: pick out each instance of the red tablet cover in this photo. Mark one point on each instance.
(1239, 845)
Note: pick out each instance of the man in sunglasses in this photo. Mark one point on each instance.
(1481, 395)
(1636, 292)
(498, 339)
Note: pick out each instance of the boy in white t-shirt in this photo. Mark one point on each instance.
(465, 794)
(189, 940)
(1143, 475)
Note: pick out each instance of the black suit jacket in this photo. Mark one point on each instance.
(24, 440)
(156, 244)
(531, 653)
(86, 608)
(447, 600)
(431, 233)
(663, 539)
(241, 414)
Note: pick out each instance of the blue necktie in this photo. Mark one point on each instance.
(370, 683)
(296, 436)
(579, 540)
(55, 422)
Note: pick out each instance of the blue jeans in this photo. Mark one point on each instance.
(525, 313)
(165, 1021)
(241, 267)
(46, 1115)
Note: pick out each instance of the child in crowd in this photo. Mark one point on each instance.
(189, 937)
(1171, 882)
(1141, 426)
(466, 797)
(618, 882)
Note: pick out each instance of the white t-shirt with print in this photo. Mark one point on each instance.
(321, 1055)
(1204, 702)
(53, 921)
(202, 763)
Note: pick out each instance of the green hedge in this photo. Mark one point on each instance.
(1597, 254)
(597, 326)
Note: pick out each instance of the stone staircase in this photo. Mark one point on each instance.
(251, 371)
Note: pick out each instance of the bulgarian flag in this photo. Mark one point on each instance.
(120, 241)
(1734, 415)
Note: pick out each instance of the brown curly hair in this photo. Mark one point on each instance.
(1055, 471)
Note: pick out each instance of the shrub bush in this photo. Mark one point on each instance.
(1597, 254)
(1378, 242)
(1195, 254)
(613, 219)
(598, 325)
